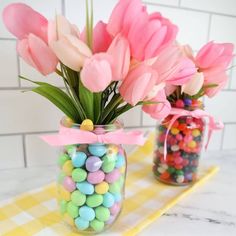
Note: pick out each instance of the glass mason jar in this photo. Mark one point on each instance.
(91, 182)
(183, 147)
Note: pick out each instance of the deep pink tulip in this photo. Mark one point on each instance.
(138, 84)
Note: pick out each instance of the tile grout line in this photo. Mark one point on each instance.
(63, 7)
(222, 138)
(24, 150)
(209, 27)
(18, 71)
(179, 3)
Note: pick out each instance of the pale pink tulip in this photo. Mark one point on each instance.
(138, 84)
(161, 109)
(120, 52)
(194, 85)
(21, 20)
(96, 74)
(71, 51)
(37, 54)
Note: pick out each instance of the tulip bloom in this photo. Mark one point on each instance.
(96, 74)
(138, 84)
(161, 109)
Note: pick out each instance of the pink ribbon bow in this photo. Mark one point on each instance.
(212, 125)
(67, 136)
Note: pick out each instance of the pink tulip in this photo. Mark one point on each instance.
(120, 52)
(159, 110)
(71, 51)
(21, 20)
(138, 84)
(37, 54)
(96, 74)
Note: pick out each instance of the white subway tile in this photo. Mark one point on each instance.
(215, 141)
(31, 73)
(164, 2)
(220, 6)
(48, 9)
(11, 152)
(8, 62)
(75, 11)
(230, 137)
(27, 112)
(222, 106)
(193, 26)
(132, 117)
(233, 76)
(39, 153)
(222, 29)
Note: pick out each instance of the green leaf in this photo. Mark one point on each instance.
(97, 101)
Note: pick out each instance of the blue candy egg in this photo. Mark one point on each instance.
(97, 149)
(85, 187)
(117, 197)
(120, 161)
(108, 200)
(81, 224)
(87, 213)
(78, 159)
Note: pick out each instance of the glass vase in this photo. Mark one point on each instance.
(91, 182)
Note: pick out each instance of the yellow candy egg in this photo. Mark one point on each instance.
(122, 170)
(174, 131)
(68, 122)
(101, 188)
(87, 125)
(68, 219)
(64, 194)
(192, 144)
(68, 167)
(112, 150)
(196, 133)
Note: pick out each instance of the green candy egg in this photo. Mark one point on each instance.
(62, 159)
(78, 198)
(114, 187)
(108, 164)
(102, 213)
(79, 175)
(97, 225)
(61, 177)
(72, 209)
(95, 200)
(63, 206)
(71, 149)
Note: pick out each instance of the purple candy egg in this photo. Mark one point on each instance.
(96, 177)
(115, 209)
(93, 163)
(112, 176)
(69, 184)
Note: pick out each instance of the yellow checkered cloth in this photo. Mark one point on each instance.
(35, 212)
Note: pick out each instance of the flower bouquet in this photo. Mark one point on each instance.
(108, 69)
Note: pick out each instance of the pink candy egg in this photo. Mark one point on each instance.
(112, 176)
(69, 184)
(115, 209)
(96, 177)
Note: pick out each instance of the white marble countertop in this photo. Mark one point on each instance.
(211, 210)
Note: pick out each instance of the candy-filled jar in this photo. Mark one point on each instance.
(91, 181)
(178, 146)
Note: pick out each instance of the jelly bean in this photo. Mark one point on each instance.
(165, 175)
(87, 213)
(174, 131)
(161, 170)
(69, 184)
(93, 163)
(68, 168)
(108, 164)
(180, 179)
(78, 159)
(87, 125)
(97, 149)
(72, 209)
(102, 213)
(85, 188)
(94, 200)
(108, 200)
(171, 170)
(112, 176)
(97, 225)
(178, 160)
(62, 159)
(175, 148)
(96, 177)
(78, 198)
(189, 176)
(120, 161)
(79, 175)
(63, 206)
(81, 224)
(187, 102)
(196, 133)
(161, 149)
(192, 144)
(179, 172)
(115, 209)
(102, 188)
(179, 103)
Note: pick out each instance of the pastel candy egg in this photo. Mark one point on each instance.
(85, 188)
(72, 209)
(108, 200)
(87, 125)
(117, 197)
(78, 198)
(112, 150)
(115, 209)
(108, 164)
(81, 224)
(94, 200)
(69, 184)
(102, 188)
(78, 159)
(68, 168)
(87, 213)
(112, 176)
(62, 159)
(63, 206)
(68, 122)
(102, 213)
(97, 149)
(97, 225)
(93, 163)
(114, 187)
(79, 175)
(96, 177)
(71, 150)
(122, 169)
(120, 161)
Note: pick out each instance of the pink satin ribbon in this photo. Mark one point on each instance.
(67, 136)
(177, 113)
